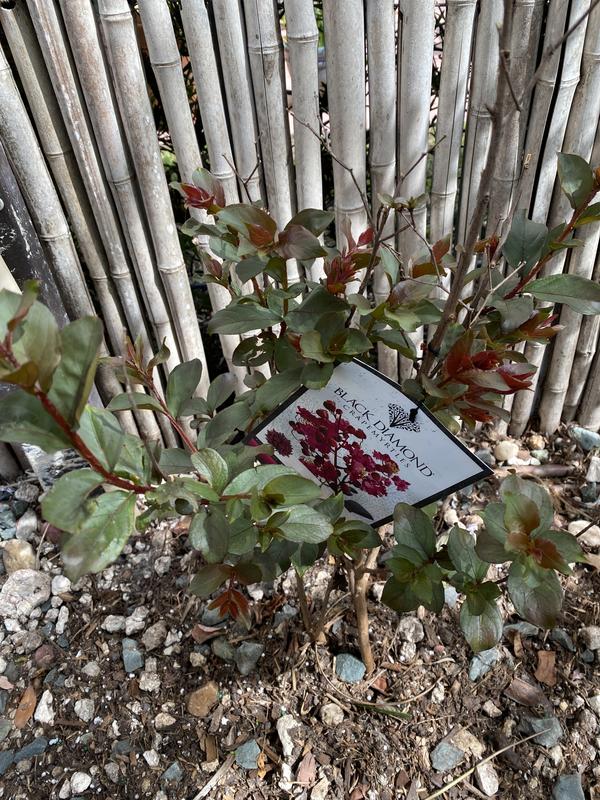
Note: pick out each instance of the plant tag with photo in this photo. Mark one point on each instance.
(360, 435)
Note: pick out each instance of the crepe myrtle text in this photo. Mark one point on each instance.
(383, 433)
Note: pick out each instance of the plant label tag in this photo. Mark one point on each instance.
(360, 435)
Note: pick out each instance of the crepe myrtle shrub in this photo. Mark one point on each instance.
(251, 518)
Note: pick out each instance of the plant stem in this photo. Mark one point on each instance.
(359, 598)
(303, 600)
(317, 628)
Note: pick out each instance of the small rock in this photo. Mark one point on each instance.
(468, 743)
(246, 656)
(60, 584)
(112, 771)
(155, 635)
(556, 754)
(348, 668)
(85, 709)
(491, 709)
(561, 637)
(331, 715)
(445, 756)
(589, 492)
(91, 669)
(594, 703)
(289, 731)
(587, 439)
(410, 629)
(197, 659)
(80, 782)
(44, 713)
(487, 779)
(136, 621)
(482, 663)
(173, 773)
(23, 591)
(486, 456)
(6, 759)
(5, 728)
(222, 649)
(542, 455)
(201, 702)
(549, 729)
(35, 748)
(590, 636)
(246, 755)
(568, 787)
(132, 657)
(44, 656)
(27, 525)
(408, 651)
(593, 473)
(503, 451)
(113, 623)
(525, 629)
(162, 565)
(536, 441)
(17, 555)
(151, 758)
(164, 721)
(149, 682)
(591, 537)
(8, 523)
(61, 622)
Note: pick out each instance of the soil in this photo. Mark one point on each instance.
(115, 745)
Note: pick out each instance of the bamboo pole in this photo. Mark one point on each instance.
(344, 50)
(541, 103)
(526, 22)
(303, 40)
(579, 140)
(589, 412)
(382, 82)
(85, 44)
(210, 99)
(265, 54)
(238, 90)
(479, 124)
(19, 140)
(587, 346)
(570, 73)
(136, 112)
(166, 63)
(450, 116)
(414, 74)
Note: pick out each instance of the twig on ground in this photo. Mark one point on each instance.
(207, 788)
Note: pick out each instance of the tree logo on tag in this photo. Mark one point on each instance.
(400, 419)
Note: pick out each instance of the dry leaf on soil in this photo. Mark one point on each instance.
(546, 668)
(25, 708)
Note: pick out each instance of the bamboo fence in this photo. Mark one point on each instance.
(241, 92)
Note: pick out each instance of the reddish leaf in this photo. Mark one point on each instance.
(202, 633)
(259, 236)
(440, 248)
(25, 708)
(366, 237)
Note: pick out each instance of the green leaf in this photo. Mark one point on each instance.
(225, 424)
(256, 478)
(212, 467)
(311, 345)
(314, 220)
(304, 524)
(181, 385)
(102, 536)
(461, 549)
(513, 312)
(249, 268)
(174, 460)
(406, 596)
(532, 490)
(220, 390)
(491, 541)
(208, 579)
(182, 488)
(576, 178)
(535, 592)
(74, 377)
(290, 490)
(580, 294)
(67, 504)
(130, 401)
(23, 419)
(242, 536)
(209, 533)
(413, 530)
(277, 389)
(567, 546)
(525, 241)
(481, 621)
(316, 376)
(39, 343)
(239, 215)
(101, 432)
(242, 317)
(298, 242)
(318, 302)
